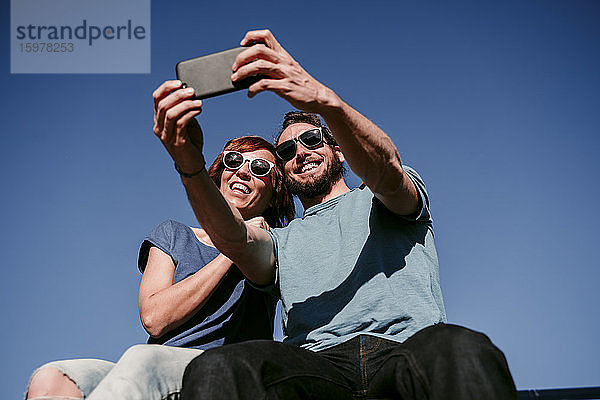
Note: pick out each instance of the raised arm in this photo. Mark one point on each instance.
(370, 153)
(249, 247)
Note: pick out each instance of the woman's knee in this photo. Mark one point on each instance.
(50, 381)
(136, 360)
(142, 354)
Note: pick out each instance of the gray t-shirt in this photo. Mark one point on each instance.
(350, 266)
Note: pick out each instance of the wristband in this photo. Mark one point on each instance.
(186, 175)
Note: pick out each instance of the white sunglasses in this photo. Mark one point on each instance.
(258, 166)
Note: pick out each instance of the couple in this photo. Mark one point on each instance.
(358, 275)
(191, 298)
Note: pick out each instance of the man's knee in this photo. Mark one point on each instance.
(212, 358)
(222, 359)
(226, 370)
(462, 339)
(457, 334)
(454, 342)
(204, 373)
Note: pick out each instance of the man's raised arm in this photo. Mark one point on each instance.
(249, 247)
(370, 153)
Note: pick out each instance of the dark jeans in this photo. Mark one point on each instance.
(438, 362)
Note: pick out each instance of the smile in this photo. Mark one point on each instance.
(240, 187)
(308, 167)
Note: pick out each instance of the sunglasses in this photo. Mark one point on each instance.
(311, 139)
(258, 166)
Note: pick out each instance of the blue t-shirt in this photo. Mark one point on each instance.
(235, 310)
(351, 266)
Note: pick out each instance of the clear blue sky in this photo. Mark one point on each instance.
(496, 104)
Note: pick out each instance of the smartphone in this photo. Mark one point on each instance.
(210, 75)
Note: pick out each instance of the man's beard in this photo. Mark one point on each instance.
(320, 185)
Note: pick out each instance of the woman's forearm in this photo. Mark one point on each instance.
(166, 309)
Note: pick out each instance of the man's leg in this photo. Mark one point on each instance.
(442, 362)
(263, 369)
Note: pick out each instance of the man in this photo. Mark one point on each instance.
(358, 274)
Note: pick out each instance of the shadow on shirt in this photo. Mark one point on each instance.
(379, 255)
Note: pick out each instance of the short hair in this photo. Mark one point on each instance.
(296, 117)
(281, 208)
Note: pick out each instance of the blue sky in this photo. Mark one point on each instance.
(496, 104)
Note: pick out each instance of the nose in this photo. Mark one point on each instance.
(301, 151)
(244, 171)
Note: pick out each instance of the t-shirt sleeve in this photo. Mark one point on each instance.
(422, 214)
(273, 288)
(161, 237)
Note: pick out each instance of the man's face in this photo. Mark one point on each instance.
(311, 172)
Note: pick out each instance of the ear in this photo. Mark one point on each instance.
(339, 153)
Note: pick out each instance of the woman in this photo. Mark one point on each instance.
(191, 298)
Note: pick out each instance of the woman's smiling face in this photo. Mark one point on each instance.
(250, 194)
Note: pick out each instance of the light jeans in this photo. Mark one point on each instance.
(145, 371)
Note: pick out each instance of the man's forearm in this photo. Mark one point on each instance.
(370, 153)
(245, 245)
(223, 223)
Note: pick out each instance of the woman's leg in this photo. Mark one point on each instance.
(67, 378)
(146, 371)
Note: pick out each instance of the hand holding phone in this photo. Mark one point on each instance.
(210, 75)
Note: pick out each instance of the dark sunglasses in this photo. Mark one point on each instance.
(311, 139)
(258, 166)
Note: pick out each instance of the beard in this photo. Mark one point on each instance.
(317, 186)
